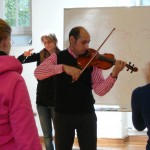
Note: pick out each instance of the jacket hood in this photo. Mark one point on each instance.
(10, 63)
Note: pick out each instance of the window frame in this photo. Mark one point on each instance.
(17, 30)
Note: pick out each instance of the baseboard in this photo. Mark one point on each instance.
(139, 140)
(142, 139)
(106, 141)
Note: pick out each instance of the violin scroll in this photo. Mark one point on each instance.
(131, 67)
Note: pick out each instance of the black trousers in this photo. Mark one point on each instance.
(85, 125)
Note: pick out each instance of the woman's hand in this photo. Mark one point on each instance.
(28, 53)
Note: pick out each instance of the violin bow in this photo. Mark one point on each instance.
(97, 50)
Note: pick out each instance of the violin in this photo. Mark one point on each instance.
(105, 61)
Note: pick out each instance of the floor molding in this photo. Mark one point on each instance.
(106, 141)
(139, 140)
(142, 139)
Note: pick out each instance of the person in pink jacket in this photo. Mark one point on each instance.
(18, 130)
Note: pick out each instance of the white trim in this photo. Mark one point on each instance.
(21, 30)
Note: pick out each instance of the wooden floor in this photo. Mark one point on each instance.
(125, 146)
(133, 143)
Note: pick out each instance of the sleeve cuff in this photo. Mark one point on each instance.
(58, 69)
(113, 77)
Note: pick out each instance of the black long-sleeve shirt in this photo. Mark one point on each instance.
(45, 88)
(140, 103)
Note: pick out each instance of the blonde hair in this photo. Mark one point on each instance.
(51, 37)
(5, 30)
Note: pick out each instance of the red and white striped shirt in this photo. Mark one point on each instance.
(49, 67)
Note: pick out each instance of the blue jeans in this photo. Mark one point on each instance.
(46, 116)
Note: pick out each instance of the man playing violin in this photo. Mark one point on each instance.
(74, 102)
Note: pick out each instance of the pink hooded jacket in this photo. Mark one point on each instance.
(17, 125)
